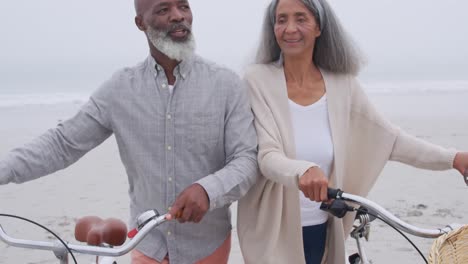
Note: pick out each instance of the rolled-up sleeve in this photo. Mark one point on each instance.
(56, 149)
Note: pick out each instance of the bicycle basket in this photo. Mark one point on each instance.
(451, 248)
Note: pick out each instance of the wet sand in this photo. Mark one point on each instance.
(97, 184)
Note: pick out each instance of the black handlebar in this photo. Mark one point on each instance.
(337, 207)
(334, 193)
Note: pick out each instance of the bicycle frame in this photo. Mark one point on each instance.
(364, 219)
(104, 251)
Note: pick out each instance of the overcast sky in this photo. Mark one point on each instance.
(403, 39)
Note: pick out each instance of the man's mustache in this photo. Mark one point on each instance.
(179, 26)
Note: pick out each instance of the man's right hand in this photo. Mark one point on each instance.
(314, 184)
(191, 205)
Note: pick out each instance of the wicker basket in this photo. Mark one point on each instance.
(451, 248)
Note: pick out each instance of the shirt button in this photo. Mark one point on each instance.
(164, 85)
(170, 179)
(169, 148)
(169, 233)
(169, 117)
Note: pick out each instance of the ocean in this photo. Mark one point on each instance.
(78, 91)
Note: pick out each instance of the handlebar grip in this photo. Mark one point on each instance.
(334, 193)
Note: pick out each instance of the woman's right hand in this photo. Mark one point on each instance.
(460, 163)
(314, 184)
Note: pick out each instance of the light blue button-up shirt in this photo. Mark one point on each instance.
(201, 132)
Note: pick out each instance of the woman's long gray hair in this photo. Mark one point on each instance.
(334, 50)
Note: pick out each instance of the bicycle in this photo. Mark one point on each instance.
(105, 238)
(454, 251)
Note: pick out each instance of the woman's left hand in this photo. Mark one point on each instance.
(460, 163)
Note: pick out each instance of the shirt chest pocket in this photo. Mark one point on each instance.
(204, 132)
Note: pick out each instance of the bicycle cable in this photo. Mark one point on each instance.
(48, 230)
(396, 229)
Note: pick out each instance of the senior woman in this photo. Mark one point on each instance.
(316, 128)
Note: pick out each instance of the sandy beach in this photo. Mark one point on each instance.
(97, 184)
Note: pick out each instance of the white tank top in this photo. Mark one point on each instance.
(314, 143)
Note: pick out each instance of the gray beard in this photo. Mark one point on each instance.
(178, 51)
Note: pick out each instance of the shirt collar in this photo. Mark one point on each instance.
(182, 69)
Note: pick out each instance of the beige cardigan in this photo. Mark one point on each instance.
(269, 225)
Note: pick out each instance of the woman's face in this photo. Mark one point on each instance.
(296, 28)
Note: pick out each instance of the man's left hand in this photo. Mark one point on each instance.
(191, 205)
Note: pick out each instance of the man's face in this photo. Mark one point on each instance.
(168, 26)
(174, 17)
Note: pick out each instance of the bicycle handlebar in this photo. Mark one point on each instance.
(148, 226)
(89, 250)
(386, 215)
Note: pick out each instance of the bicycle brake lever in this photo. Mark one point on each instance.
(337, 208)
(142, 220)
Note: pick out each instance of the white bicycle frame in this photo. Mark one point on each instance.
(362, 230)
(107, 253)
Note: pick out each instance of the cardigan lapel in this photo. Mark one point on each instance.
(284, 113)
(337, 108)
